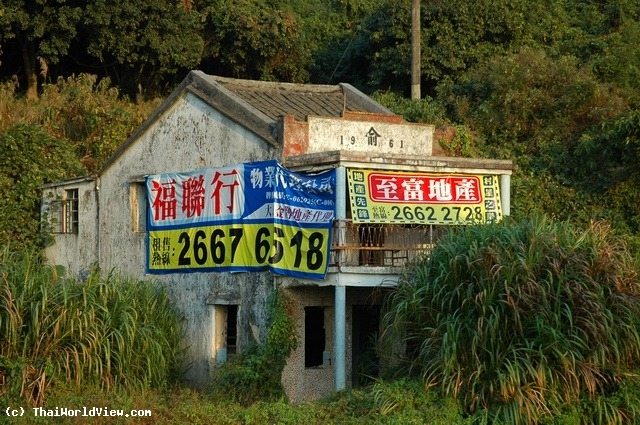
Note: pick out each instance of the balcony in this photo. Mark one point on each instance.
(389, 246)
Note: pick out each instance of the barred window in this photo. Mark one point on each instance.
(63, 214)
(226, 331)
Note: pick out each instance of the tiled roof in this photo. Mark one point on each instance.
(277, 99)
(300, 100)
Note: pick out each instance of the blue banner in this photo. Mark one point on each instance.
(253, 216)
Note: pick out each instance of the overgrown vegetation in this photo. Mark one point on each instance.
(402, 402)
(90, 116)
(551, 85)
(30, 157)
(520, 320)
(69, 131)
(255, 373)
(111, 332)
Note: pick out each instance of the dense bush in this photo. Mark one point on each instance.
(111, 331)
(255, 374)
(30, 157)
(522, 319)
(69, 131)
(88, 114)
(525, 102)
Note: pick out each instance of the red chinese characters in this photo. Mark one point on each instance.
(196, 197)
(164, 203)
(424, 189)
(224, 186)
(193, 196)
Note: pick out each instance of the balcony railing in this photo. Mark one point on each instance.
(386, 245)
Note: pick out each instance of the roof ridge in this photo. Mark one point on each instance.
(270, 85)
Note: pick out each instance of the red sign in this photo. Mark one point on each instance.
(419, 189)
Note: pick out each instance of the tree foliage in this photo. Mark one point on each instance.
(525, 101)
(42, 31)
(141, 42)
(455, 35)
(555, 118)
(68, 132)
(250, 39)
(607, 166)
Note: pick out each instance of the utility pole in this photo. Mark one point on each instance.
(415, 50)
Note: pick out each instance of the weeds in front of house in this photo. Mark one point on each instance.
(522, 322)
(108, 331)
(401, 402)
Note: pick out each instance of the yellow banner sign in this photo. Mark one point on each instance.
(241, 247)
(423, 198)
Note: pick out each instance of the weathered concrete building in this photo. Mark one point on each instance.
(392, 196)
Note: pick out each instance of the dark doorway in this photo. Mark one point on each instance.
(232, 329)
(314, 336)
(365, 330)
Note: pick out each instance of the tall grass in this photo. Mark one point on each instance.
(521, 319)
(109, 331)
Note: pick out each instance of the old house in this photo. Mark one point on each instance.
(390, 198)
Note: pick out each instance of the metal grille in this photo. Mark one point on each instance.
(390, 245)
(63, 214)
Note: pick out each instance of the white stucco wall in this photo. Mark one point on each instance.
(77, 252)
(188, 136)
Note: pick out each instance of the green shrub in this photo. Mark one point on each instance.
(255, 374)
(518, 320)
(424, 110)
(112, 332)
(30, 157)
(69, 131)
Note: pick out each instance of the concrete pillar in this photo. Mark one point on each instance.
(340, 345)
(505, 194)
(341, 193)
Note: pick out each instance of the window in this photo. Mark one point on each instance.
(70, 211)
(138, 206)
(225, 331)
(314, 336)
(63, 214)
